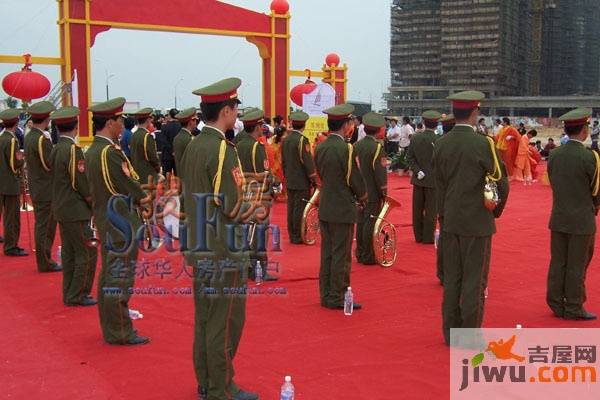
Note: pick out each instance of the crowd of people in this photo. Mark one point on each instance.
(459, 168)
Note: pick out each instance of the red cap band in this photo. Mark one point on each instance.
(578, 122)
(219, 97)
(465, 105)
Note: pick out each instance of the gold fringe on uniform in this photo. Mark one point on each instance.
(72, 166)
(13, 142)
(350, 151)
(41, 151)
(105, 171)
(596, 180)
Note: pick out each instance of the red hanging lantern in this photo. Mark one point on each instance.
(26, 84)
(304, 88)
(332, 59)
(280, 7)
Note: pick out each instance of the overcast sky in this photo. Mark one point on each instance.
(146, 66)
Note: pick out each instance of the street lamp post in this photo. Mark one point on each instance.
(177, 84)
(107, 79)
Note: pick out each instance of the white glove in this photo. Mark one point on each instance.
(421, 175)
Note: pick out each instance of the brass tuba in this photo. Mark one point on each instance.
(384, 235)
(309, 229)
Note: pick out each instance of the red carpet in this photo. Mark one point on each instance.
(393, 349)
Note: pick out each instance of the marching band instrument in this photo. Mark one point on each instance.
(93, 241)
(384, 235)
(491, 196)
(309, 229)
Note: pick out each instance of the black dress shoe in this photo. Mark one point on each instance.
(202, 393)
(586, 316)
(87, 302)
(245, 396)
(137, 340)
(17, 252)
(55, 268)
(270, 278)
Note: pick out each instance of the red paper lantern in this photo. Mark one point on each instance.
(299, 90)
(26, 84)
(280, 7)
(332, 59)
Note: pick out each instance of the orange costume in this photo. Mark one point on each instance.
(523, 163)
(508, 144)
(274, 156)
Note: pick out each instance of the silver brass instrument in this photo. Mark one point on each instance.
(384, 235)
(93, 241)
(309, 229)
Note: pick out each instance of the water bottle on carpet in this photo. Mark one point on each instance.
(258, 273)
(59, 254)
(348, 302)
(135, 314)
(287, 389)
(437, 237)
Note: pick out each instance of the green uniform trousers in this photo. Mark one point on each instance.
(365, 253)
(78, 260)
(466, 266)
(219, 317)
(115, 286)
(423, 214)
(296, 203)
(45, 231)
(336, 262)
(570, 257)
(11, 218)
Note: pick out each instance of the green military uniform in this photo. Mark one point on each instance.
(420, 161)
(300, 175)
(71, 205)
(341, 186)
(143, 150)
(11, 164)
(110, 174)
(184, 137)
(462, 160)
(574, 176)
(448, 123)
(37, 153)
(211, 166)
(373, 167)
(255, 166)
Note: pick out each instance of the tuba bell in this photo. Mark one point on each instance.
(384, 235)
(309, 229)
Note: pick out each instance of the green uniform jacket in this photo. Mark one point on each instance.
(180, 143)
(211, 166)
(253, 155)
(420, 158)
(462, 159)
(240, 136)
(37, 153)
(341, 181)
(143, 155)
(571, 170)
(372, 161)
(10, 163)
(298, 163)
(71, 198)
(115, 178)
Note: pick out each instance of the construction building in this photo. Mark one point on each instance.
(504, 48)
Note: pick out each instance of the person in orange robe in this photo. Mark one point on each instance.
(523, 162)
(508, 144)
(273, 148)
(535, 159)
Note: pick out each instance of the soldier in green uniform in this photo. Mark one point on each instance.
(420, 161)
(38, 147)
(256, 168)
(463, 160)
(373, 167)
(188, 120)
(299, 172)
(111, 177)
(448, 123)
(11, 168)
(574, 173)
(72, 208)
(143, 147)
(341, 186)
(213, 182)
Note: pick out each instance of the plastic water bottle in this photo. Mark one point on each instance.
(348, 302)
(287, 389)
(437, 237)
(135, 314)
(59, 254)
(258, 273)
